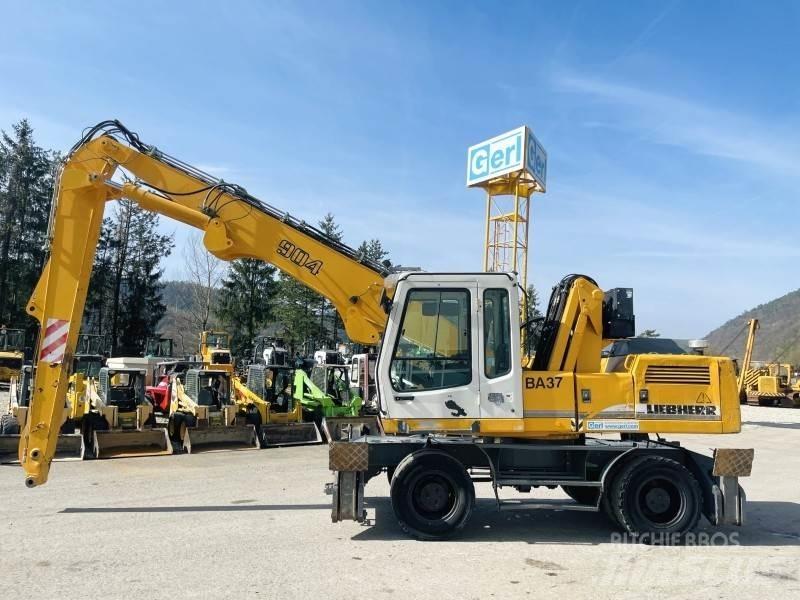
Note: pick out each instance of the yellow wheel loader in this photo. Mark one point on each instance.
(268, 402)
(119, 420)
(277, 422)
(12, 356)
(69, 446)
(86, 368)
(215, 350)
(204, 415)
(458, 400)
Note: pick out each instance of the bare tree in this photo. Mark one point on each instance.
(193, 311)
(205, 272)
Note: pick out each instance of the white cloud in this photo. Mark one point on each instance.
(694, 126)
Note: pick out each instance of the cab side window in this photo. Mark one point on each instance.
(496, 333)
(433, 349)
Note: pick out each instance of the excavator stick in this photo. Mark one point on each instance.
(122, 443)
(68, 447)
(232, 437)
(347, 428)
(289, 434)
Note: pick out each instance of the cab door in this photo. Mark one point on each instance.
(428, 361)
(500, 364)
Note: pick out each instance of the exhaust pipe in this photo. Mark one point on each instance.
(69, 447)
(134, 442)
(232, 437)
(289, 434)
(337, 429)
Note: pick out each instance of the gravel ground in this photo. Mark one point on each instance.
(254, 524)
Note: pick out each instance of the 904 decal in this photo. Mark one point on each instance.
(548, 383)
(299, 257)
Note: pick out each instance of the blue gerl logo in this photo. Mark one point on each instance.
(496, 156)
(513, 151)
(536, 160)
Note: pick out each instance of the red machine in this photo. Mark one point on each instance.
(160, 394)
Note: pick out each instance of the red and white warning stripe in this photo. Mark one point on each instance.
(54, 344)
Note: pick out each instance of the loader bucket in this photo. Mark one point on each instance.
(346, 428)
(233, 437)
(121, 443)
(289, 434)
(69, 447)
(9, 448)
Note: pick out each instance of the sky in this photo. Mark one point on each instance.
(671, 126)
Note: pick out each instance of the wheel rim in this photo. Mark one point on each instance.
(661, 501)
(433, 496)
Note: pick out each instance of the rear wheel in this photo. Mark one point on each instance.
(432, 495)
(656, 498)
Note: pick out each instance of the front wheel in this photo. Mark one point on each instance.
(432, 495)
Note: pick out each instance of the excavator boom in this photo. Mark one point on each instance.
(235, 225)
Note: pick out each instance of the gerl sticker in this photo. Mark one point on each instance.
(616, 425)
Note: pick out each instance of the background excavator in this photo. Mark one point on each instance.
(766, 384)
(458, 400)
(70, 445)
(119, 420)
(329, 399)
(204, 414)
(268, 401)
(265, 400)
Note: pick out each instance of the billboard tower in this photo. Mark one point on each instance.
(510, 168)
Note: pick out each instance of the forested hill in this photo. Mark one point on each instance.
(778, 336)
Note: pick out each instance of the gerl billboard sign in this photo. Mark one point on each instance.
(516, 150)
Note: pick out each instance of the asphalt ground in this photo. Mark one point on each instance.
(256, 524)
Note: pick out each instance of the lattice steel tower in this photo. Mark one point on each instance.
(509, 168)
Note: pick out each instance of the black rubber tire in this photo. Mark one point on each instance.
(189, 420)
(92, 422)
(767, 402)
(318, 418)
(436, 478)
(605, 505)
(656, 498)
(390, 474)
(174, 426)
(9, 424)
(582, 494)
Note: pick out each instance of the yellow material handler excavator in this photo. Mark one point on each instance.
(458, 401)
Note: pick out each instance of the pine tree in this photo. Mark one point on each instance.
(374, 250)
(246, 301)
(124, 298)
(330, 228)
(26, 188)
(532, 316)
(296, 311)
(141, 306)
